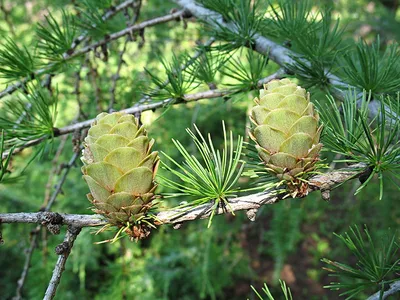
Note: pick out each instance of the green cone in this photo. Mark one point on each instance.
(286, 132)
(119, 168)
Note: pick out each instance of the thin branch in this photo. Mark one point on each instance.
(279, 54)
(185, 65)
(27, 264)
(7, 17)
(131, 110)
(46, 219)
(54, 170)
(63, 250)
(277, 75)
(116, 75)
(394, 288)
(109, 13)
(114, 36)
(323, 182)
(66, 169)
(129, 22)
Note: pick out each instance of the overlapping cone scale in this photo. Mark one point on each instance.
(119, 168)
(286, 130)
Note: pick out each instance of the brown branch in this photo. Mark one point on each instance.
(54, 170)
(279, 54)
(185, 65)
(109, 13)
(116, 75)
(149, 106)
(322, 182)
(63, 250)
(131, 110)
(114, 36)
(27, 264)
(66, 169)
(46, 218)
(7, 17)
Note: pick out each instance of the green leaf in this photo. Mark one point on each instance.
(29, 117)
(178, 82)
(15, 62)
(285, 290)
(292, 19)
(375, 267)
(243, 20)
(246, 71)
(348, 131)
(56, 39)
(210, 179)
(371, 69)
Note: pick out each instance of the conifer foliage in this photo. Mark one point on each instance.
(117, 82)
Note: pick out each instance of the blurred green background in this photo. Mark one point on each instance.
(286, 241)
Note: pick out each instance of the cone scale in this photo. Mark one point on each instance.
(119, 168)
(286, 133)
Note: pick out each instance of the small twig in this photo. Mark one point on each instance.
(94, 77)
(110, 13)
(116, 75)
(63, 250)
(131, 110)
(27, 264)
(277, 75)
(141, 108)
(7, 17)
(187, 64)
(129, 22)
(394, 288)
(53, 170)
(50, 220)
(58, 189)
(114, 36)
(77, 92)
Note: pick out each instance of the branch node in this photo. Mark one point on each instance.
(187, 14)
(74, 230)
(177, 226)
(326, 195)
(62, 248)
(50, 218)
(54, 228)
(251, 214)
(52, 221)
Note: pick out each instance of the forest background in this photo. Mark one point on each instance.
(286, 241)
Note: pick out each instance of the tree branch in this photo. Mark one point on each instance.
(131, 110)
(27, 264)
(47, 219)
(394, 288)
(323, 182)
(63, 250)
(109, 14)
(210, 94)
(12, 88)
(279, 54)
